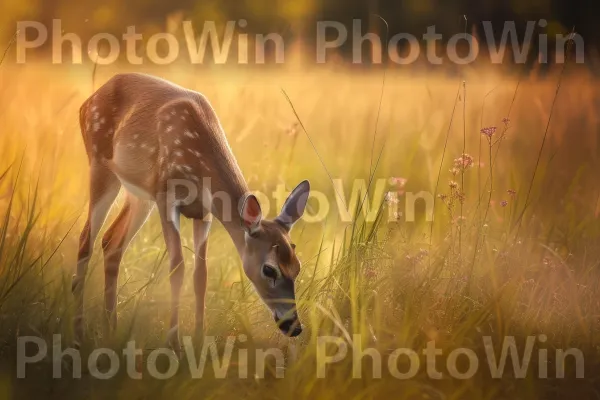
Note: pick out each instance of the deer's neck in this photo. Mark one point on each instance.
(228, 189)
(228, 215)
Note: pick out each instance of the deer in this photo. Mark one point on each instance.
(142, 133)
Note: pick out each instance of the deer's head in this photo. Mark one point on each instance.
(270, 260)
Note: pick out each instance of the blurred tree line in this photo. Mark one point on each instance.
(297, 18)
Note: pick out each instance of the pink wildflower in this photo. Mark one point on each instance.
(400, 182)
(391, 198)
(489, 131)
(463, 162)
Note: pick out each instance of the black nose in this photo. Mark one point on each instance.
(290, 327)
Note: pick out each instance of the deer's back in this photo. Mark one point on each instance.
(153, 131)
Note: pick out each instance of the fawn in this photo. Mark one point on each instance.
(143, 133)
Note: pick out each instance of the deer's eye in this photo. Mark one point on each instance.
(269, 272)
(293, 246)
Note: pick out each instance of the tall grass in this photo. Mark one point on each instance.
(396, 283)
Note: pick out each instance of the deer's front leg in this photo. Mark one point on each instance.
(201, 229)
(169, 217)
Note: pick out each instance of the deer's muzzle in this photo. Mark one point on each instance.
(289, 326)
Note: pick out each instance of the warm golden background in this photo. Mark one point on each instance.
(525, 267)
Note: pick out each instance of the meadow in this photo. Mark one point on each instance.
(512, 248)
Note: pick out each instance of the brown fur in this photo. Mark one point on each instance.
(275, 233)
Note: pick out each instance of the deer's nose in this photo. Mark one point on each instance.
(289, 326)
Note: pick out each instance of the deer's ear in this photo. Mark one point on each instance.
(294, 205)
(250, 214)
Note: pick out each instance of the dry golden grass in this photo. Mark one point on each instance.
(489, 274)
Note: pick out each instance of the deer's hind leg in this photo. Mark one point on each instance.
(104, 187)
(115, 241)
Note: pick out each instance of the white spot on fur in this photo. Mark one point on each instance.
(102, 120)
(188, 134)
(96, 127)
(178, 153)
(195, 152)
(204, 165)
(169, 128)
(177, 142)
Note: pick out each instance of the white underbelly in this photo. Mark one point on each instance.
(133, 170)
(135, 190)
